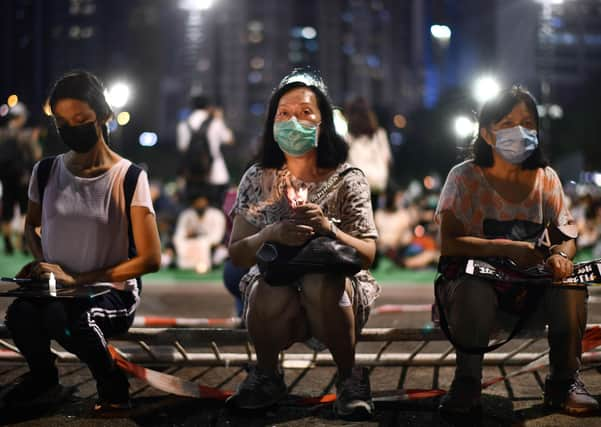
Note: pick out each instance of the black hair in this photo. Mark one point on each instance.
(492, 112)
(83, 86)
(361, 120)
(332, 149)
(199, 102)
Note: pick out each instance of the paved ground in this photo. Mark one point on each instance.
(514, 403)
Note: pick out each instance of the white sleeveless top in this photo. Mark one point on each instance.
(84, 223)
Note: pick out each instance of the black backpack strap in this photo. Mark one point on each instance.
(43, 173)
(202, 129)
(129, 187)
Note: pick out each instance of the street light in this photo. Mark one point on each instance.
(465, 127)
(441, 32)
(485, 88)
(118, 95)
(195, 4)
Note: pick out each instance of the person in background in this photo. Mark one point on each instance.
(19, 150)
(232, 274)
(199, 230)
(303, 154)
(369, 149)
(487, 205)
(85, 240)
(215, 181)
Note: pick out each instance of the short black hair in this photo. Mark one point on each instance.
(332, 149)
(83, 86)
(200, 102)
(492, 112)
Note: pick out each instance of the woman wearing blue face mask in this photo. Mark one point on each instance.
(495, 204)
(302, 187)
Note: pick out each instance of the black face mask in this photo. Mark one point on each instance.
(200, 211)
(79, 138)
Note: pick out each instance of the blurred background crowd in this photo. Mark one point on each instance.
(190, 79)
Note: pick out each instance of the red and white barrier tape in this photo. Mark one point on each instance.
(402, 308)
(180, 387)
(185, 322)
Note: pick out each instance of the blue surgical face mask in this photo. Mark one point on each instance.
(295, 138)
(516, 144)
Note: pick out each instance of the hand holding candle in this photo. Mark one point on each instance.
(298, 197)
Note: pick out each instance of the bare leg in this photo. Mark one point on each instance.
(275, 321)
(329, 322)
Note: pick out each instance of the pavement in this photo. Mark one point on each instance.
(516, 402)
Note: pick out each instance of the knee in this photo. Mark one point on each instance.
(470, 295)
(323, 290)
(21, 314)
(270, 303)
(54, 317)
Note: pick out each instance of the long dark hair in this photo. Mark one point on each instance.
(492, 112)
(361, 120)
(83, 86)
(332, 150)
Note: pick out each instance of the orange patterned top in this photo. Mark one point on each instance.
(468, 194)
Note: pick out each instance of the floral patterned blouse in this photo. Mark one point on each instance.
(262, 201)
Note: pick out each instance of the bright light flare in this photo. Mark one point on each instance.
(118, 95)
(123, 118)
(195, 4)
(441, 32)
(465, 127)
(12, 100)
(148, 139)
(340, 123)
(486, 88)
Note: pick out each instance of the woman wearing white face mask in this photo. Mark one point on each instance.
(488, 205)
(302, 153)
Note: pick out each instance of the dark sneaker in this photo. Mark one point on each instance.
(113, 393)
(569, 395)
(33, 391)
(463, 397)
(259, 390)
(353, 396)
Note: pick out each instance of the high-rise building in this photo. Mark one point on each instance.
(551, 46)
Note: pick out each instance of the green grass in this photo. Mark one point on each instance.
(386, 272)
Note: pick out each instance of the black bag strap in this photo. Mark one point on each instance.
(444, 325)
(332, 181)
(129, 187)
(43, 173)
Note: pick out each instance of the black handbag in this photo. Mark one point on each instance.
(282, 265)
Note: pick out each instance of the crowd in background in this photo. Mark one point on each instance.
(192, 210)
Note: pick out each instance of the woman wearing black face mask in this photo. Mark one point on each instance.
(84, 206)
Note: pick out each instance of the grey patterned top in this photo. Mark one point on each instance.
(261, 201)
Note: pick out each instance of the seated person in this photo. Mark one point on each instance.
(302, 154)
(507, 185)
(82, 211)
(199, 230)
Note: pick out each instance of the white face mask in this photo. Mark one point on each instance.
(515, 144)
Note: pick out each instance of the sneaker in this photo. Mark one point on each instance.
(463, 397)
(33, 391)
(353, 396)
(113, 392)
(569, 395)
(259, 390)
